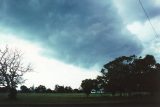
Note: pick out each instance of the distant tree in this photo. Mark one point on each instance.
(32, 89)
(40, 89)
(11, 70)
(24, 89)
(68, 89)
(59, 89)
(49, 90)
(87, 86)
(75, 91)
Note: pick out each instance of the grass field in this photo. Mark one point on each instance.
(34, 98)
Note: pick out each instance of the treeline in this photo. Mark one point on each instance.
(43, 89)
(127, 75)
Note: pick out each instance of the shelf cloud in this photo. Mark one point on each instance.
(83, 33)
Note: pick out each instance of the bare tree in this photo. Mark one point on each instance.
(12, 69)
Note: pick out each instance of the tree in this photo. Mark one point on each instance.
(76, 91)
(12, 69)
(59, 89)
(131, 74)
(116, 73)
(68, 89)
(87, 86)
(49, 90)
(101, 84)
(3, 89)
(141, 68)
(24, 89)
(32, 89)
(40, 89)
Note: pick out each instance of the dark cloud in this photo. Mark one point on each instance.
(83, 33)
(131, 10)
(151, 8)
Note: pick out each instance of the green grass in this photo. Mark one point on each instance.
(51, 98)
(58, 98)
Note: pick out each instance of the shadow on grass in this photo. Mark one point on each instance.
(32, 98)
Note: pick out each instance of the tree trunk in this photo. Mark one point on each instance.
(113, 93)
(120, 94)
(12, 93)
(129, 93)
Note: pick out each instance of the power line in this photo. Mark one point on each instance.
(154, 30)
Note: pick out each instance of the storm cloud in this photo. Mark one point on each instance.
(84, 33)
(131, 10)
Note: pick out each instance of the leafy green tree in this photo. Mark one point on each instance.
(143, 70)
(59, 89)
(116, 73)
(49, 90)
(24, 89)
(87, 86)
(40, 89)
(130, 74)
(32, 89)
(68, 89)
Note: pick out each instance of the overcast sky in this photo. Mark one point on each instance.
(70, 40)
